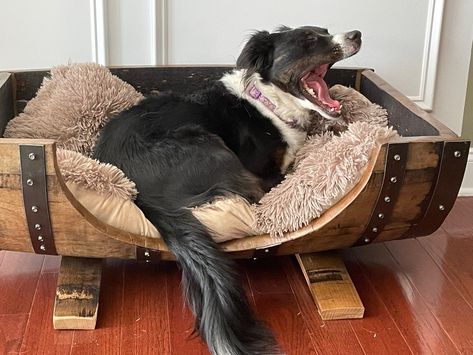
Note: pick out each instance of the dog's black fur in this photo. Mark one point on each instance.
(183, 152)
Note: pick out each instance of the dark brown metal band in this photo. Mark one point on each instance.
(35, 198)
(424, 205)
(394, 171)
(452, 168)
(147, 254)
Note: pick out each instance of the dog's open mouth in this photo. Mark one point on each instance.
(315, 89)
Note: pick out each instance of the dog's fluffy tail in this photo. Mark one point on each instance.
(212, 287)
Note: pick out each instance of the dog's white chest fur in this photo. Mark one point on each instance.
(287, 109)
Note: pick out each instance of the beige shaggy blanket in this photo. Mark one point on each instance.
(326, 167)
(73, 105)
(77, 100)
(89, 173)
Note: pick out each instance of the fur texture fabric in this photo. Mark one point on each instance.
(93, 175)
(326, 167)
(72, 105)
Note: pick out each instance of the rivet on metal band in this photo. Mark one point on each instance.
(147, 255)
(265, 252)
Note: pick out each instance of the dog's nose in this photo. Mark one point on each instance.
(354, 35)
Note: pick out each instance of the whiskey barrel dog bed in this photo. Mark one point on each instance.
(405, 189)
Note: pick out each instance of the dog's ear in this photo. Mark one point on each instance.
(257, 55)
(283, 28)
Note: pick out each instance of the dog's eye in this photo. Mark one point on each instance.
(312, 38)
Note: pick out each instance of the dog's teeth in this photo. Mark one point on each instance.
(332, 109)
(309, 90)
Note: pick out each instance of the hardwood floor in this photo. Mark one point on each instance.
(418, 295)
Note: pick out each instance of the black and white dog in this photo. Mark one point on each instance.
(238, 137)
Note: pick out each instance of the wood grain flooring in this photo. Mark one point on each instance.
(418, 295)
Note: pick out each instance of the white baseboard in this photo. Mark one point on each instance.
(467, 185)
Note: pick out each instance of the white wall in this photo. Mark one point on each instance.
(467, 186)
(214, 32)
(454, 61)
(452, 75)
(40, 34)
(129, 32)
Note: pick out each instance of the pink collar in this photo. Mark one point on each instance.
(257, 95)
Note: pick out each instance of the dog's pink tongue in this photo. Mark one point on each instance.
(320, 87)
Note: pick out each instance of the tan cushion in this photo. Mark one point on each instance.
(226, 219)
(113, 210)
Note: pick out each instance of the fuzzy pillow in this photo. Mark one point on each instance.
(326, 167)
(73, 105)
(89, 173)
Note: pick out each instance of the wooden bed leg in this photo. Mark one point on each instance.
(77, 293)
(331, 286)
